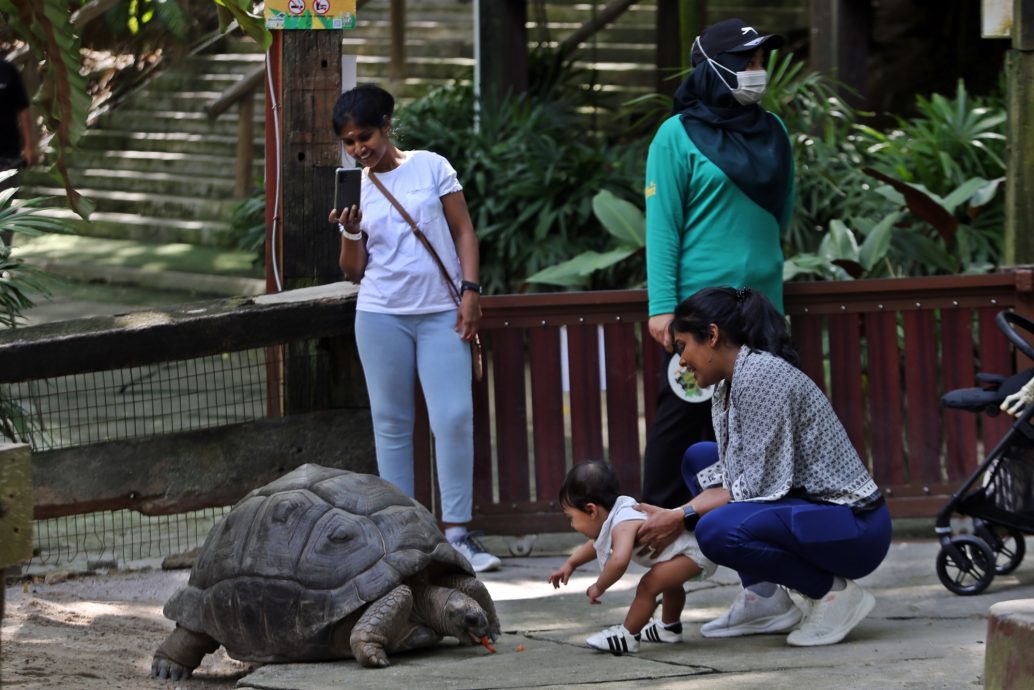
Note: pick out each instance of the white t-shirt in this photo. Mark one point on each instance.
(401, 276)
(685, 544)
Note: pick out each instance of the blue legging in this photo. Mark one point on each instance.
(792, 542)
(394, 350)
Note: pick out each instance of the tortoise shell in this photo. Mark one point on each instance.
(296, 556)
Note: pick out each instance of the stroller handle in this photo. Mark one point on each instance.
(1005, 321)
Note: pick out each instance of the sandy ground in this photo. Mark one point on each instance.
(96, 631)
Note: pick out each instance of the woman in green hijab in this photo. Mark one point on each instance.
(719, 193)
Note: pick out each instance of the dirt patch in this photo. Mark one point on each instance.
(97, 632)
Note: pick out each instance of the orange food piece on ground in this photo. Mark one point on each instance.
(488, 645)
(520, 648)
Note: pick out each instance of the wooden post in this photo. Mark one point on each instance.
(502, 47)
(839, 44)
(306, 74)
(245, 144)
(310, 151)
(397, 65)
(1019, 176)
(15, 509)
(678, 23)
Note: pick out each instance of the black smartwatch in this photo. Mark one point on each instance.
(690, 518)
(469, 285)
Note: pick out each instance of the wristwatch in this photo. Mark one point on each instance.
(469, 285)
(690, 518)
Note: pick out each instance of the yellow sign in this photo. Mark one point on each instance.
(310, 14)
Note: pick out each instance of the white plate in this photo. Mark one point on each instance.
(684, 383)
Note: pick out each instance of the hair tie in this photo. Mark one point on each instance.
(742, 294)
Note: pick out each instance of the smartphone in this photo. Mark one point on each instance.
(347, 182)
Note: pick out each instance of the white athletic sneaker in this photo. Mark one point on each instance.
(615, 640)
(654, 631)
(833, 616)
(751, 614)
(473, 551)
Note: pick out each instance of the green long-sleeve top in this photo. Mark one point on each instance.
(702, 230)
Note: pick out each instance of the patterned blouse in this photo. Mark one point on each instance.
(781, 436)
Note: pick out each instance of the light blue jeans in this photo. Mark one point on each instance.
(394, 350)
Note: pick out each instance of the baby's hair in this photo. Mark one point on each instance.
(592, 481)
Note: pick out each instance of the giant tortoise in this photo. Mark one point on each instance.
(324, 564)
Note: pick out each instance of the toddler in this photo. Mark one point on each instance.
(592, 502)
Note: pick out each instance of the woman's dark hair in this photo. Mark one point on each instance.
(367, 105)
(744, 317)
(592, 481)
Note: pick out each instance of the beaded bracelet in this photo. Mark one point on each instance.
(354, 236)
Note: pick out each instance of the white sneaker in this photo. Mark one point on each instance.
(615, 640)
(654, 631)
(473, 551)
(752, 614)
(833, 616)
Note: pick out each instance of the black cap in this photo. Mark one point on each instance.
(732, 36)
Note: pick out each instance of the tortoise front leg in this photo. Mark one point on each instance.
(181, 653)
(381, 627)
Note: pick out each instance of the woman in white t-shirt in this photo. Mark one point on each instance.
(407, 324)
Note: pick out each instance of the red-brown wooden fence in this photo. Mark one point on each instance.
(883, 350)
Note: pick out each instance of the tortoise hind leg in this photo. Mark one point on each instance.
(476, 590)
(180, 654)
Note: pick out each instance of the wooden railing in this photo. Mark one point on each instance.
(883, 350)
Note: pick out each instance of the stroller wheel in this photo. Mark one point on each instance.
(965, 565)
(1008, 545)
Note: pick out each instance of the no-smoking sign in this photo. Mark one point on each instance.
(296, 6)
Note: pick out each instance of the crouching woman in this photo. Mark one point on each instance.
(783, 496)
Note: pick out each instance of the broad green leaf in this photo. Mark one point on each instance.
(576, 271)
(985, 193)
(963, 193)
(839, 243)
(877, 243)
(620, 218)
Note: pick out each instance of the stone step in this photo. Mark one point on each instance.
(121, 201)
(157, 161)
(190, 122)
(126, 226)
(166, 142)
(197, 186)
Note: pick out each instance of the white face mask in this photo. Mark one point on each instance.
(750, 86)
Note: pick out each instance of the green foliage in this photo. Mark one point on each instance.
(134, 15)
(243, 12)
(17, 280)
(937, 210)
(529, 170)
(920, 199)
(626, 224)
(62, 99)
(248, 224)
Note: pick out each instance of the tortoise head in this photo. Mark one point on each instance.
(465, 619)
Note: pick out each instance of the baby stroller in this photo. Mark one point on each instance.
(999, 496)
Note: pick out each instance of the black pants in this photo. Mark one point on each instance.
(677, 425)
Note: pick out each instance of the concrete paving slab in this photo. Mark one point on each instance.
(919, 636)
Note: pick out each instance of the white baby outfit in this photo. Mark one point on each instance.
(624, 510)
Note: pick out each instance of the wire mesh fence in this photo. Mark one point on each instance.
(114, 538)
(141, 402)
(137, 403)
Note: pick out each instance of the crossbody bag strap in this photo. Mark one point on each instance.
(419, 235)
